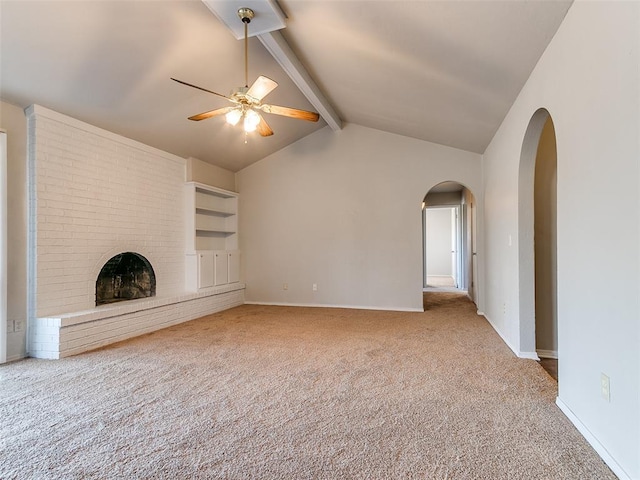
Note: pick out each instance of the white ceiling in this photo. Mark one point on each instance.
(443, 71)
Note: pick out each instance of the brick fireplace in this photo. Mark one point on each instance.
(126, 276)
(94, 195)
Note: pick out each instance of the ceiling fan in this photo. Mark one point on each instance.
(247, 101)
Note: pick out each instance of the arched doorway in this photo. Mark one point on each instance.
(537, 242)
(449, 233)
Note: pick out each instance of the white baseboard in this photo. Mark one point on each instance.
(529, 355)
(593, 441)
(500, 335)
(322, 305)
(518, 353)
(15, 358)
(548, 354)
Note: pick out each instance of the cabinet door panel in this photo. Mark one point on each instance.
(221, 268)
(234, 267)
(205, 269)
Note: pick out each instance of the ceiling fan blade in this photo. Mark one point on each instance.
(211, 113)
(263, 128)
(291, 112)
(199, 88)
(262, 87)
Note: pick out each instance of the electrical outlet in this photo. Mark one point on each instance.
(18, 325)
(504, 308)
(285, 286)
(315, 287)
(10, 326)
(605, 387)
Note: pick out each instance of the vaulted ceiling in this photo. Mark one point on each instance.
(442, 71)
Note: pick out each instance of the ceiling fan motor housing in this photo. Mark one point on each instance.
(248, 101)
(245, 14)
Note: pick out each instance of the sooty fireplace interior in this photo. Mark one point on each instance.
(125, 277)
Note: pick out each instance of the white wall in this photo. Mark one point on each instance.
(343, 210)
(13, 120)
(203, 172)
(439, 241)
(468, 217)
(588, 80)
(3, 246)
(441, 199)
(95, 194)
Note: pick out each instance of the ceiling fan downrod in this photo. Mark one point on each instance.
(246, 14)
(247, 101)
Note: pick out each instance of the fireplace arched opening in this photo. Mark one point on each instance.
(126, 276)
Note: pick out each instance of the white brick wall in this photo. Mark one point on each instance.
(92, 195)
(97, 194)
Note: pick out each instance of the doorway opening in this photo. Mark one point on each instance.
(538, 242)
(545, 247)
(449, 247)
(442, 246)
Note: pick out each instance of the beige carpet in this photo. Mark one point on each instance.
(294, 393)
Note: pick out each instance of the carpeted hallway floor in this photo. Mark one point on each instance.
(294, 393)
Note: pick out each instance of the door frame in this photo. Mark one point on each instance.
(526, 249)
(468, 241)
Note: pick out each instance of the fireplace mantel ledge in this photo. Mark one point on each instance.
(131, 306)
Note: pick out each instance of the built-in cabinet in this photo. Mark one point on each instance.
(226, 267)
(213, 258)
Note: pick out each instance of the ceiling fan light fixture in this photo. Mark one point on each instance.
(234, 116)
(248, 100)
(248, 128)
(251, 121)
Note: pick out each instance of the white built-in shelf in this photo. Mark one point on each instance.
(215, 213)
(212, 218)
(214, 191)
(213, 232)
(212, 256)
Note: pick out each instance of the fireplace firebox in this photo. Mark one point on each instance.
(126, 276)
